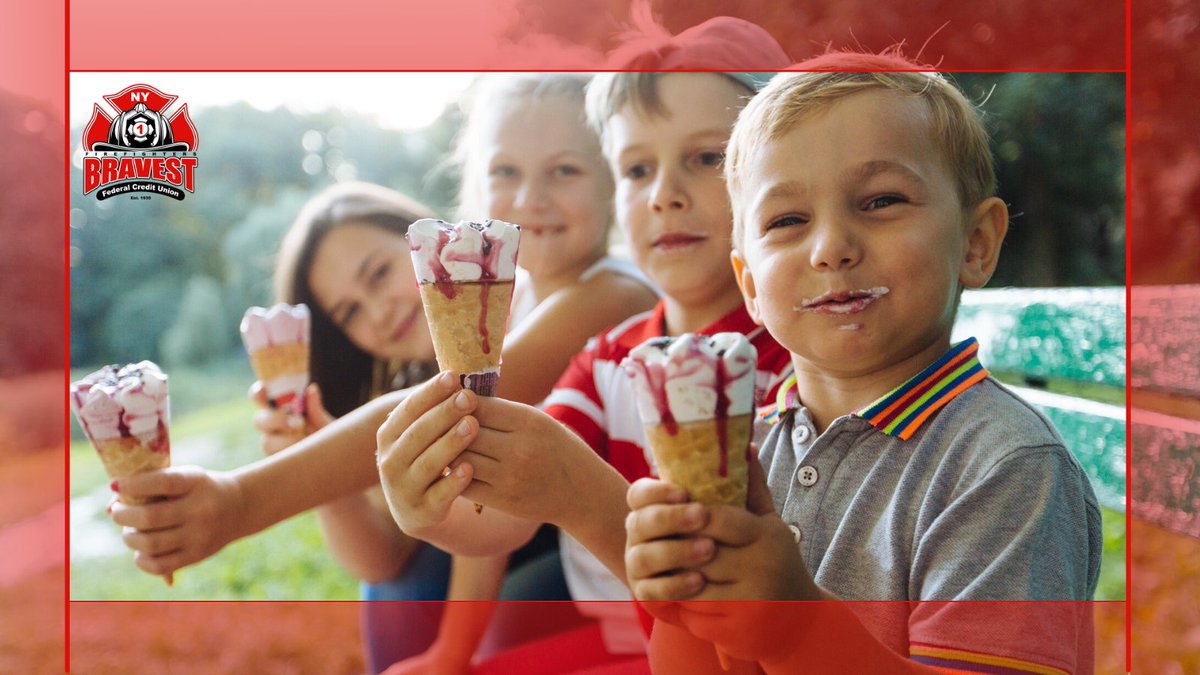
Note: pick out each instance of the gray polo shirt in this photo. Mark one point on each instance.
(982, 502)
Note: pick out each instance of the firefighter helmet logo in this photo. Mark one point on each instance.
(142, 147)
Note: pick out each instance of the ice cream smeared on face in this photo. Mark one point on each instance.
(842, 302)
(122, 402)
(277, 341)
(463, 252)
(693, 377)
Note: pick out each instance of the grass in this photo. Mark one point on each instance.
(1089, 390)
(1112, 560)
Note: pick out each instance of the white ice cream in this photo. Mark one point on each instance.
(464, 251)
(133, 397)
(281, 324)
(683, 373)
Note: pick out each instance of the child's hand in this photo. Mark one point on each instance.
(755, 558)
(280, 430)
(529, 465)
(194, 518)
(418, 450)
(663, 547)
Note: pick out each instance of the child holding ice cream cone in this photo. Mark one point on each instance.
(898, 469)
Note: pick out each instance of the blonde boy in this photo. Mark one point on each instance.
(898, 469)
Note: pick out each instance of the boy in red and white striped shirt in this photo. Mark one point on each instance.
(664, 136)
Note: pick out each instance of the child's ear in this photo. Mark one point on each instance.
(745, 282)
(985, 233)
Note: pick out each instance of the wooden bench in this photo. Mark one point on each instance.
(1066, 348)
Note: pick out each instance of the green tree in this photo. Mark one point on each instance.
(1059, 144)
(200, 332)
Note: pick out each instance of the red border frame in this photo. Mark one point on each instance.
(1128, 67)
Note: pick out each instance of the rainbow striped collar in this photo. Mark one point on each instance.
(903, 410)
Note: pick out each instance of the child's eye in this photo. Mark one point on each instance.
(502, 171)
(565, 171)
(636, 171)
(380, 273)
(883, 201)
(785, 221)
(712, 158)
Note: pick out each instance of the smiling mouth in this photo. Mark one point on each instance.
(842, 302)
(675, 240)
(543, 230)
(406, 325)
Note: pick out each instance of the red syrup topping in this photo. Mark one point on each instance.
(656, 378)
(162, 442)
(488, 260)
(483, 310)
(721, 413)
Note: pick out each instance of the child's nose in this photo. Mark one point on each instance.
(377, 311)
(667, 194)
(834, 247)
(531, 196)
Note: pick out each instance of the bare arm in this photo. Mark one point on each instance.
(538, 350)
(363, 538)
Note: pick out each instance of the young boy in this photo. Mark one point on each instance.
(898, 470)
(664, 136)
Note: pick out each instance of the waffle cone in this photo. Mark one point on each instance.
(467, 321)
(131, 455)
(689, 455)
(279, 360)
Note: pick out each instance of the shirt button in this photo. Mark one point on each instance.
(800, 433)
(796, 533)
(807, 476)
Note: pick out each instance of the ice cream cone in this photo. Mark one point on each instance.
(280, 361)
(125, 413)
(695, 395)
(467, 322)
(707, 457)
(466, 271)
(277, 341)
(123, 457)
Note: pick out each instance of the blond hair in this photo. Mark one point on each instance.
(790, 98)
(495, 95)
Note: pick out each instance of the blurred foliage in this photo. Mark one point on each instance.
(169, 280)
(1059, 143)
(198, 334)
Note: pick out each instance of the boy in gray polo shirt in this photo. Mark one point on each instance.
(897, 468)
